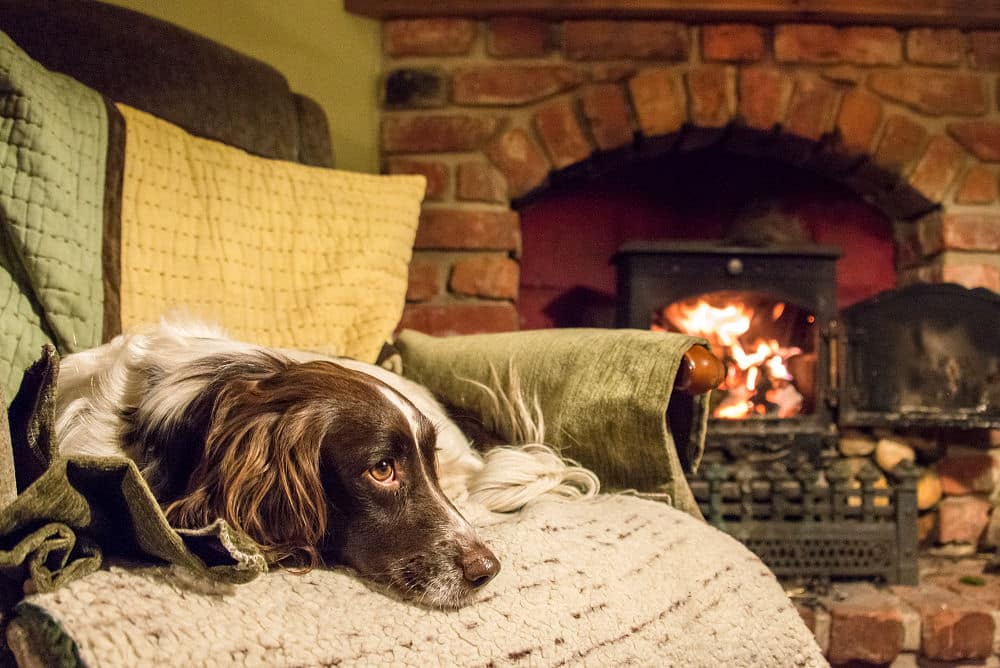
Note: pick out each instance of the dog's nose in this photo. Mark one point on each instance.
(479, 566)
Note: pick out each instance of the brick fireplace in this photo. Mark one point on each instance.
(501, 111)
(495, 111)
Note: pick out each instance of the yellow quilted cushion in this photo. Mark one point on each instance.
(278, 253)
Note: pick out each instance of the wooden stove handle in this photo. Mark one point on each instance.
(700, 371)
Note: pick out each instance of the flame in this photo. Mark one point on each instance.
(758, 381)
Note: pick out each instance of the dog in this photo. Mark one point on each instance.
(320, 460)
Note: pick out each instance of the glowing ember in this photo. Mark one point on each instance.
(758, 381)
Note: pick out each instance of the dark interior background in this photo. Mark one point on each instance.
(571, 233)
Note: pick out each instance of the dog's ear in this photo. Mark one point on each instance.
(259, 472)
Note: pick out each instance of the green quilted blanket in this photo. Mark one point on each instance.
(53, 147)
(70, 515)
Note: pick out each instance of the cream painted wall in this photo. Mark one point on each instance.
(324, 52)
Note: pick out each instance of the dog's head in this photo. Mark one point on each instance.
(319, 463)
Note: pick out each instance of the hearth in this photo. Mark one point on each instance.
(925, 356)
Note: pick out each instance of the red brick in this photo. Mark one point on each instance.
(867, 625)
(560, 131)
(808, 616)
(607, 40)
(934, 46)
(962, 519)
(843, 74)
(871, 46)
(710, 95)
(957, 268)
(978, 186)
(460, 318)
(436, 173)
(425, 280)
(901, 142)
(518, 37)
(992, 539)
(492, 276)
(428, 37)
(658, 99)
(966, 472)
(926, 524)
(971, 275)
(611, 72)
(807, 43)
(436, 133)
(932, 91)
(937, 168)
(510, 84)
(951, 628)
(985, 49)
(606, 110)
(763, 96)
(812, 108)
(981, 138)
(858, 120)
(468, 228)
(971, 231)
(520, 160)
(733, 43)
(480, 182)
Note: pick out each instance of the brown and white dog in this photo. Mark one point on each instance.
(320, 460)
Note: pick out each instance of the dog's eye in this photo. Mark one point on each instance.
(383, 472)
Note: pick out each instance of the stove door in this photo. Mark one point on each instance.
(927, 355)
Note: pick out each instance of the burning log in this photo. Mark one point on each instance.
(752, 336)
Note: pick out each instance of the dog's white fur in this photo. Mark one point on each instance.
(94, 386)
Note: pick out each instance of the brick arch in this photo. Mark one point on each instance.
(903, 161)
(524, 103)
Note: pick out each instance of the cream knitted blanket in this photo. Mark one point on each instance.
(614, 581)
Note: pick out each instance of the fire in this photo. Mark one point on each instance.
(758, 381)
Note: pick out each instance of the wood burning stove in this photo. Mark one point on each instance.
(797, 370)
(927, 355)
(769, 313)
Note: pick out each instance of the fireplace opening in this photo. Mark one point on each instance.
(768, 347)
(792, 279)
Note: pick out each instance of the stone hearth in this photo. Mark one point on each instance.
(951, 618)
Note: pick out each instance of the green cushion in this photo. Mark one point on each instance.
(604, 395)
